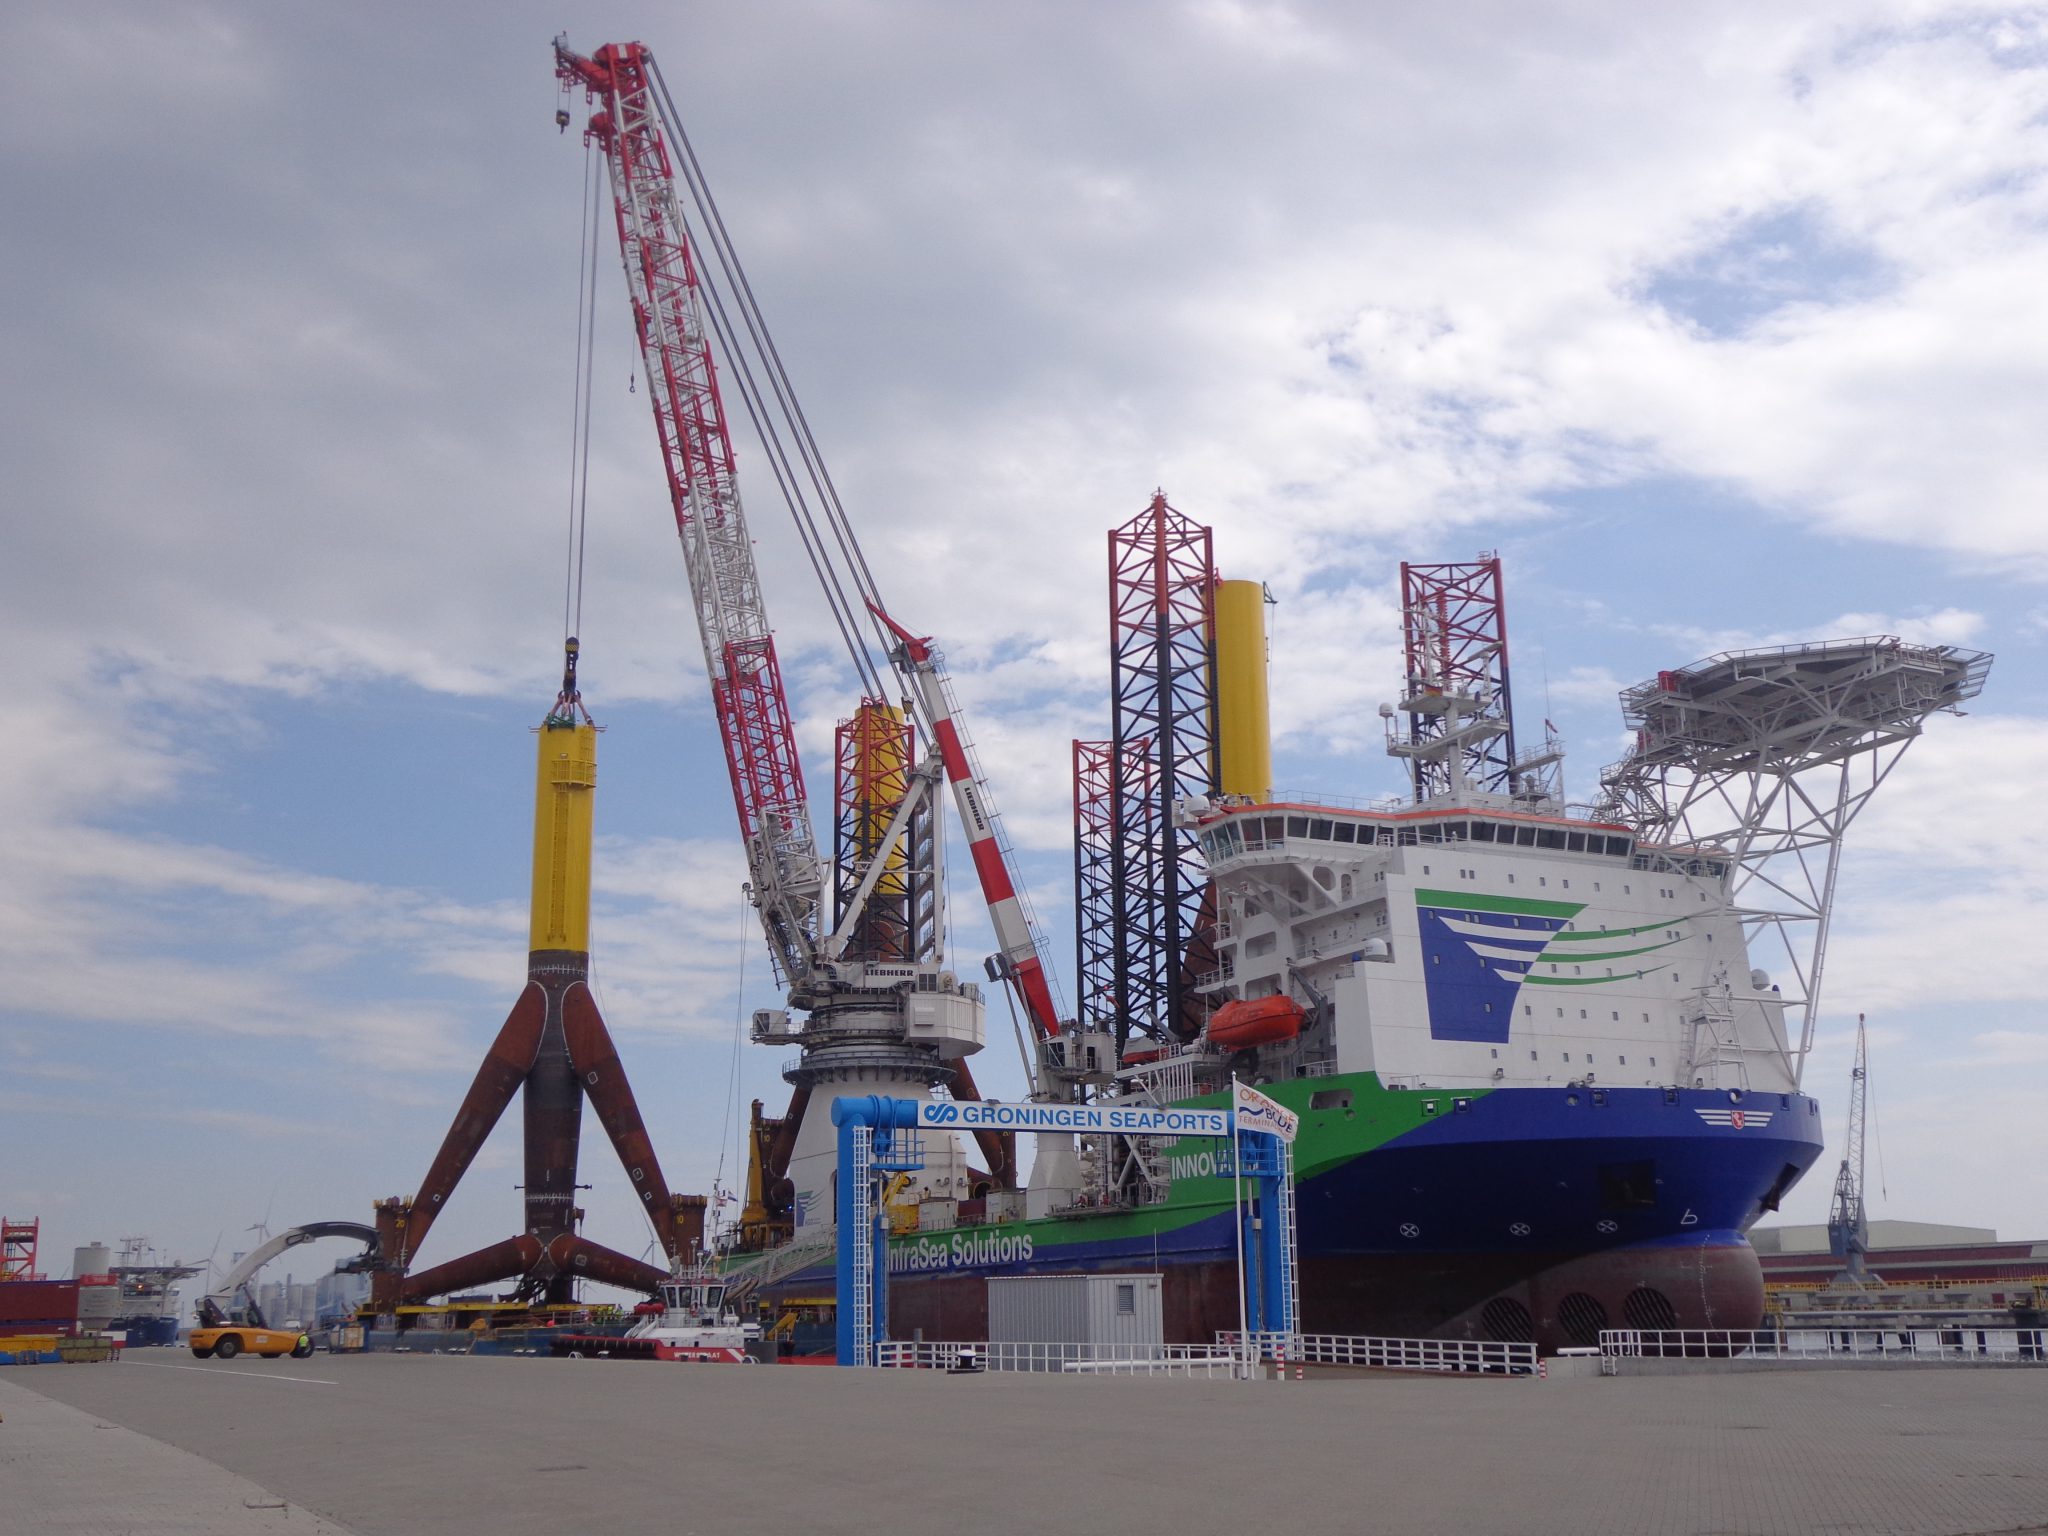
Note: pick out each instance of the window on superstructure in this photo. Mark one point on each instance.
(1624, 1060)
(1525, 837)
(1482, 831)
(1549, 837)
(1575, 842)
(1276, 829)
(1297, 826)
(1345, 831)
(1320, 829)
(1543, 879)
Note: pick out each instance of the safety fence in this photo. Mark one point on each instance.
(1232, 1353)
(1899, 1344)
(1121, 1359)
(1483, 1356)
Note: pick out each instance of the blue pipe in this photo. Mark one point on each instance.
(884, 1115)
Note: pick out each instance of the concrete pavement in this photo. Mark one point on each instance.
(392, 1445)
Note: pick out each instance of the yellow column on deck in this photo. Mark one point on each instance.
(1244, 734)
(563, 788)
(881, 778)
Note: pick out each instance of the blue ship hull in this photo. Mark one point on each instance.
(1523, 1213)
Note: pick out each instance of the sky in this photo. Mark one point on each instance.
(1722, 324)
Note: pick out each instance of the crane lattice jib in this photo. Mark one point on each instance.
(689, 416)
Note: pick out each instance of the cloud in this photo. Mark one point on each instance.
(291, 362)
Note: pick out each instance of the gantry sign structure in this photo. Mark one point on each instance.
(1762, 758)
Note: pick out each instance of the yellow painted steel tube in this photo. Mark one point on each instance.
(562, 805)
(881, 778)
(1244, 731)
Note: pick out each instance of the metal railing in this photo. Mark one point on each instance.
(1483, 1356)
(1201, 1367)
(922, 1354)
(1898, 1343)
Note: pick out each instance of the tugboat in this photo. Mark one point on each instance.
(690, 1321)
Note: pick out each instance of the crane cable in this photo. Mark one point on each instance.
(783, 464)
(579, 426)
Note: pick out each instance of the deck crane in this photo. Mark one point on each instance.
(1848, 1223)
(870, 1023)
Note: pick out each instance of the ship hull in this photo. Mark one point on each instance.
(1537, 1214)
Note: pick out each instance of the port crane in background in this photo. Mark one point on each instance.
(872, 1007)
(1848, 1221)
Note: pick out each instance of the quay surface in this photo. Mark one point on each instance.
(420, 1445)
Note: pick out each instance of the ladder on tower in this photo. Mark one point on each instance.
(1290, 1279)
(1714, 1050)
(863, 1239)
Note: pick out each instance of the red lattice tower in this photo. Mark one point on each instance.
(1162, 583)
(1455, 631)
(1094, 884)
(18, 1249)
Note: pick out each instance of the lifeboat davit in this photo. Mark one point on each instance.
(1255, 1021)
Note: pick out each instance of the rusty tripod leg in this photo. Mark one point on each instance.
(602, 1076)
(505, 1067)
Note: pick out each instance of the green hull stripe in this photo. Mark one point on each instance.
(1522, 906)
(1619, 933)
(1582, 981)
(1574, 956)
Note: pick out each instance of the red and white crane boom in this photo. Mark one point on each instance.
(874, 1020)
(669, 320)
(1017, 937)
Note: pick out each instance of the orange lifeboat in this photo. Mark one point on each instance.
(1255, 1021)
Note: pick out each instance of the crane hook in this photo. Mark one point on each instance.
(562, 119)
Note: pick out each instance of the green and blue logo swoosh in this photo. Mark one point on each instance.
(1478, 951)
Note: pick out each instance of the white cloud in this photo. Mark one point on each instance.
(289, 388)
